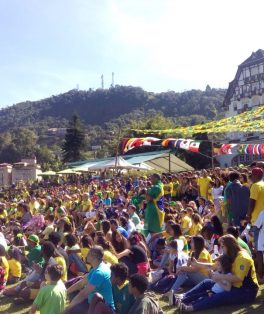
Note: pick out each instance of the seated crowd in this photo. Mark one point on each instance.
(112, 246)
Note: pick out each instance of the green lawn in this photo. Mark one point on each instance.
(7, 307)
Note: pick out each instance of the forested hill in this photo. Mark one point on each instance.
(95, 107)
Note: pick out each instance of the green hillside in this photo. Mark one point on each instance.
(105, 115)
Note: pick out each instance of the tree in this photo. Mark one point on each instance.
(74, 141)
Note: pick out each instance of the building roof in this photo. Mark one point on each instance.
(255, 58)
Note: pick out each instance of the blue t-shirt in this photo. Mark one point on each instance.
(107, 202)
(100, 277)
(123, 231)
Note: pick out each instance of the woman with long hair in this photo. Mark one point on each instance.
(109, 251)
(192, 273)
(243, 280)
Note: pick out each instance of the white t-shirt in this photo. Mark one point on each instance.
(216, 288)
(217, 192)
(260, 224)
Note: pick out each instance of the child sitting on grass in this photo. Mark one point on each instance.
(186, 301)
(15, 267)
(4, 268)
(51, 298)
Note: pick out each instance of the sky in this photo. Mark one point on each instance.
(47, 47)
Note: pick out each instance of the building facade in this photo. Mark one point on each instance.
(25, 170)
(245, 92)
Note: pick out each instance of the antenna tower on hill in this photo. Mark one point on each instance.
(102, 81)
(113, 79)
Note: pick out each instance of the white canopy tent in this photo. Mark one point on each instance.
(116, 163)
(85, 168)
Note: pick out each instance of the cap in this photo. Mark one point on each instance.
(257, 171)
(33, 238)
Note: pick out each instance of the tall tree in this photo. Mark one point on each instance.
(74, 140)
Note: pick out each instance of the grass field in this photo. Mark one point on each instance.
(8, 307)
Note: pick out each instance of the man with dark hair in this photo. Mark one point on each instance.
(56, 239)
(237, 200)
(122, 298)
(154, 212)
(94, 287)
(145, 302)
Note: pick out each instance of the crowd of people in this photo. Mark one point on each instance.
(112, 246)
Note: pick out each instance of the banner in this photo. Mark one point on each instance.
(248, 121)
(193, 145)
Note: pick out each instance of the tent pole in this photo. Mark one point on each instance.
(169, 162)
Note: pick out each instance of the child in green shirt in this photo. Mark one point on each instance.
(51, 298)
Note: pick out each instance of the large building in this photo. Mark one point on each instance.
(244, 92)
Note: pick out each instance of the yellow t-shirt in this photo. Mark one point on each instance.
(15, 268)
(61, 261)
(210, 195)
(175, 188)
(110, 258)
(257, 194)
(185, 244)
(205, 257)
(87, 205)
(84, 253)
(241, 266)
(195, 229)
(168, 188)
(5, 265)
(186, 222)
(203, 185)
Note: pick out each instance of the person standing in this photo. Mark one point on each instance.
(237, 200)
(154, 212)
(256, 205)
(203, 184)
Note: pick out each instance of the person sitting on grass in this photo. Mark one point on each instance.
(224, 266)
(96, 282)
(122, 298)
(243, 279)
(51, 298)
(145, 301)
(15, 267)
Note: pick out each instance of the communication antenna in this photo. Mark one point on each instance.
(113, 79)
(102, 81)
(77, 86)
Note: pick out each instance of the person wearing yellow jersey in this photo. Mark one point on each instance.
(192, 273)
(61, 261)
(243, 279)
(4, 263)
(168, 188)
(15, 267)
(256, 205)
(203, 184)
(196, 225)
(176, 185)
(186, 220)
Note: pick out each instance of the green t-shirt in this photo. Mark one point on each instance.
(135, 219)
(122, 298)
(34, 255)
(51, 299)
(244, 246)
